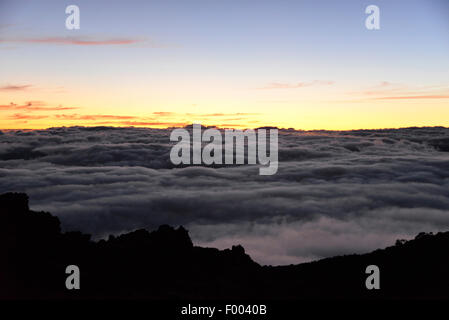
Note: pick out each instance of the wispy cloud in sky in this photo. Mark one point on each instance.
(396, 91)
(93, 117)
(414, 97)
(34, 106)
(80, 41)
(144, 123)
(15, 87)
(21, 116)
(281, 85)
(32, 110)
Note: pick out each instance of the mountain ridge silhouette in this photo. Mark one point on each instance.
(164, 264)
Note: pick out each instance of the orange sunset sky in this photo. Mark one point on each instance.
(300, 64)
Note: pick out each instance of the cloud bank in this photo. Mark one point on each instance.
(334, 193)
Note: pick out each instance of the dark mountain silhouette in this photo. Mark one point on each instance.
(164, 264)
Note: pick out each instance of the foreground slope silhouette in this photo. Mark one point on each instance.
(164, 264)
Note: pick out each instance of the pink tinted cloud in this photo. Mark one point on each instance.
(74, 41)
(391, 91)
(93, 117)
(21, 116)
(436, 96)
(15, 87)
(163, 113)
(34, 106)
(280, 85)
(144, 123)
(81, 42)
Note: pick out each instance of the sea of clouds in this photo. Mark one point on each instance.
(334, 192)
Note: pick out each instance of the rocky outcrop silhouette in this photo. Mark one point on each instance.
(164, 264)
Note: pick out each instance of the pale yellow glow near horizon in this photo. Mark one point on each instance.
(328, 107)
(305, 116)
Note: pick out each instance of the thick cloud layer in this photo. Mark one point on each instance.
(334, 192)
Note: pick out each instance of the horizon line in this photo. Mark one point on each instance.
(222, 128)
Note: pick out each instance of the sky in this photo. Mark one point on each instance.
(301, 64)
